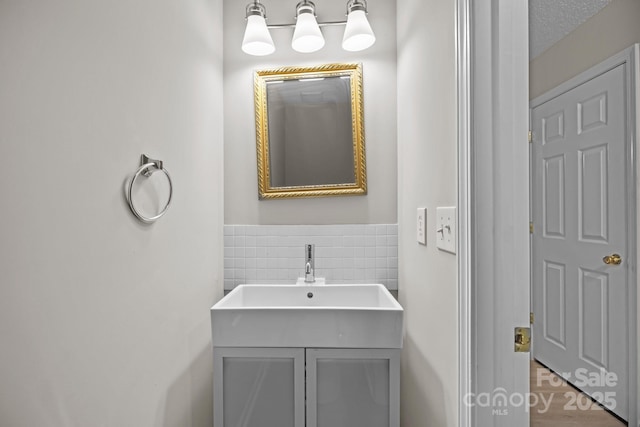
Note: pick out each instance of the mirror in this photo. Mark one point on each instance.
(310, 131)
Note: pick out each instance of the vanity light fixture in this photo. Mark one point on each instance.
(257, 40)
(307, 36)
(358, 34)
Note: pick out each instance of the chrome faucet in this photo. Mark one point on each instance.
(309, 263)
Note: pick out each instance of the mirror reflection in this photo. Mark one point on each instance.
(310, 131)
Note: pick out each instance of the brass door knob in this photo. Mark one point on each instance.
(614, 259)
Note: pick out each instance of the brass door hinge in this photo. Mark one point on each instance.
(530, 136)
(522, 340)
(531, 318)
(531, 227)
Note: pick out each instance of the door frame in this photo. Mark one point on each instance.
(493, 212)
(466, 310)
(628, 57)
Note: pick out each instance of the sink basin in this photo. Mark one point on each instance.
(333, 316)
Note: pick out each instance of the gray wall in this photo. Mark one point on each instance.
(608, 32)
(105, 321)
(427, 177)
(379, 68)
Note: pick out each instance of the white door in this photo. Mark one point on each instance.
(580, 217)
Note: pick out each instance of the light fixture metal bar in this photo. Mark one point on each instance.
(320, 24)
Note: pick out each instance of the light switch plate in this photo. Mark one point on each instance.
(421, 226)
(446, 229)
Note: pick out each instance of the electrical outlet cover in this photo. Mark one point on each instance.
(446, 229)
(421, 226)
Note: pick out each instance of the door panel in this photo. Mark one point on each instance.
(592, 113)
(593, 291)
(554, 307)
(593, 208)
(579, 205)
(554, 209)
(553, 128)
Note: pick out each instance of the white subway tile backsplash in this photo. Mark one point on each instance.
(370, 274)
(370, 241)
(370, 263)
(356, 253)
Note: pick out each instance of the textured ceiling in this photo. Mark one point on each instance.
(551, 20)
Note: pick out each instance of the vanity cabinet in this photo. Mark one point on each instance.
(306, 387)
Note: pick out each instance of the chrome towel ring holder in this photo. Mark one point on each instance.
(147, 167)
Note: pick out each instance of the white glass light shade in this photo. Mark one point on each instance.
(257, 39)
(307, 36)
(358, 34)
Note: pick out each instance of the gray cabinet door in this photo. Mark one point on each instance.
(258, 387)
(353, 387)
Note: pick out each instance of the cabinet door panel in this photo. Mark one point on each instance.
(352, 388)
(259, 387)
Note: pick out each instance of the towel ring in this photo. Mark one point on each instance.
(147, 168)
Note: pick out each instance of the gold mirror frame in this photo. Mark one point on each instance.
(261, 78)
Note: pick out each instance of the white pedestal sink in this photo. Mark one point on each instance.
(331, 316)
